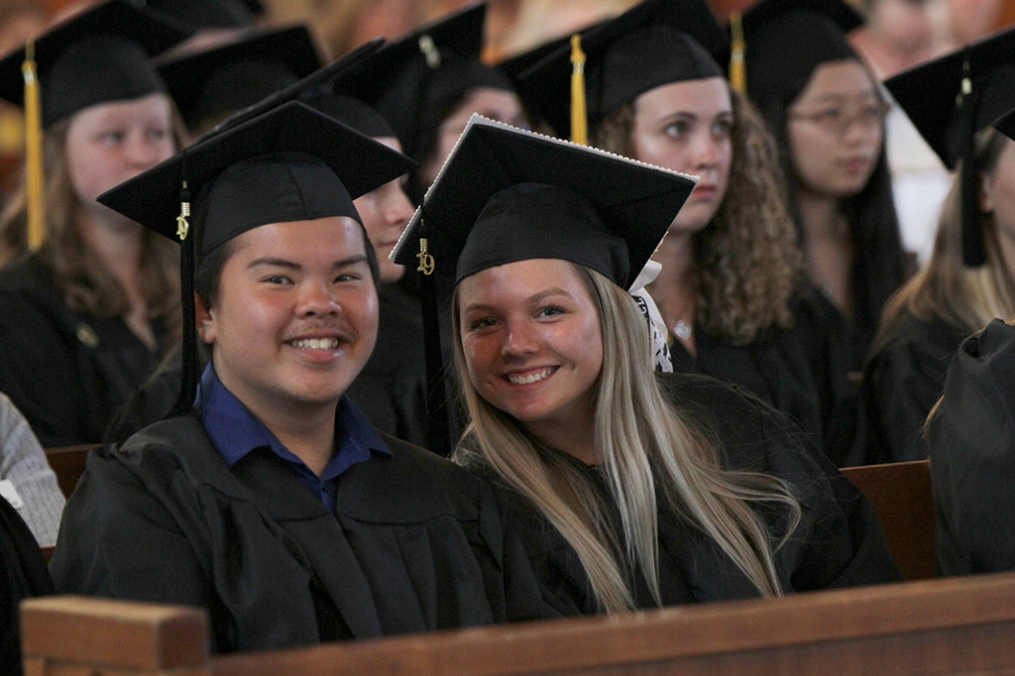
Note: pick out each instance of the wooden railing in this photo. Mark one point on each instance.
(68, 463)
(945, 626)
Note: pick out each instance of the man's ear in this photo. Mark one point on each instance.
(205, 320)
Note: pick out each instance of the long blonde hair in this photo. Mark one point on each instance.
(647, 449)
(748, 262)
(83, 281)
(964, 298)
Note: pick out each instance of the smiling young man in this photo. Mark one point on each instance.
(272, 502)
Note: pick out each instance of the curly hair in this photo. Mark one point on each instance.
(748, 263)
(83, 281)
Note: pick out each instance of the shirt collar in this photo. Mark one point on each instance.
(235, 431)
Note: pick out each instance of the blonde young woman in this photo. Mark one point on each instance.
(628, 492)
(970, 278)
(85, 318)
(731, 289)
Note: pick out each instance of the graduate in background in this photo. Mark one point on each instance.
(827, 114)
(731, 289)
(970, 278)
(630, 492)
(211, 85)
(89, 301)
(969, 432)
(432, 81)
(271, 501)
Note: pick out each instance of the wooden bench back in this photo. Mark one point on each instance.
(902, 497)
(944, 626)
(68, 463)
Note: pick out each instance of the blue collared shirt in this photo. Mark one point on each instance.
(235, 432)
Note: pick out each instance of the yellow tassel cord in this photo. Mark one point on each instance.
(738, 67)
(579, 121)
(33, 152)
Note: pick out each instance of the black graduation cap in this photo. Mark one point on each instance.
(518, 64)
(612, 216)
(353, 113)
(787, 39)
(205, 14)
(654, 43)
(98, 56)
(412, 80)
(951, 98)
(217, 82)
(290, 164)
(319, 82)
(507, 195)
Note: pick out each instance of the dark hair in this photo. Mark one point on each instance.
(879, 264)
(208, 272)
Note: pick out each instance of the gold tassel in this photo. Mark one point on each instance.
(738, 67)
(579, 120)
(34, 171)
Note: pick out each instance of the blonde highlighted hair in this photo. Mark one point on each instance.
(748, 262)
(964, 298)
(649, 452)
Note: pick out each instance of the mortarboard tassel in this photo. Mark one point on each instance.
(438, 428)
(34, 169)
(974, 253)
(738, 67)
(579, 119)
(188, 386)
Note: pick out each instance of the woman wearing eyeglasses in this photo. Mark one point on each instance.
(826, 112)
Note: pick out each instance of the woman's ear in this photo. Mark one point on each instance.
(205, 320)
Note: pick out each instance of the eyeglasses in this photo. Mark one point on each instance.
(838, 119)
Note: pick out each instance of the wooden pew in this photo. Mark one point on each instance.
(68, 462)
(902, 497)
(954, 626)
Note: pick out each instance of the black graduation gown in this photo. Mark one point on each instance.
(902, 382)
(415, 543)
(23, 574)
(391, 388)
(837, 544)
(66, 372)
(971, 442)
(800, 371)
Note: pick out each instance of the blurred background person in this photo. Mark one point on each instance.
(826, 112)
(970, 278)
(90, 306)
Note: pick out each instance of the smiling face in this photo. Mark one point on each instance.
(385, 212)
(532, 343)
(110, 143)
(835, 130)
(295, 315)
(688, 126)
